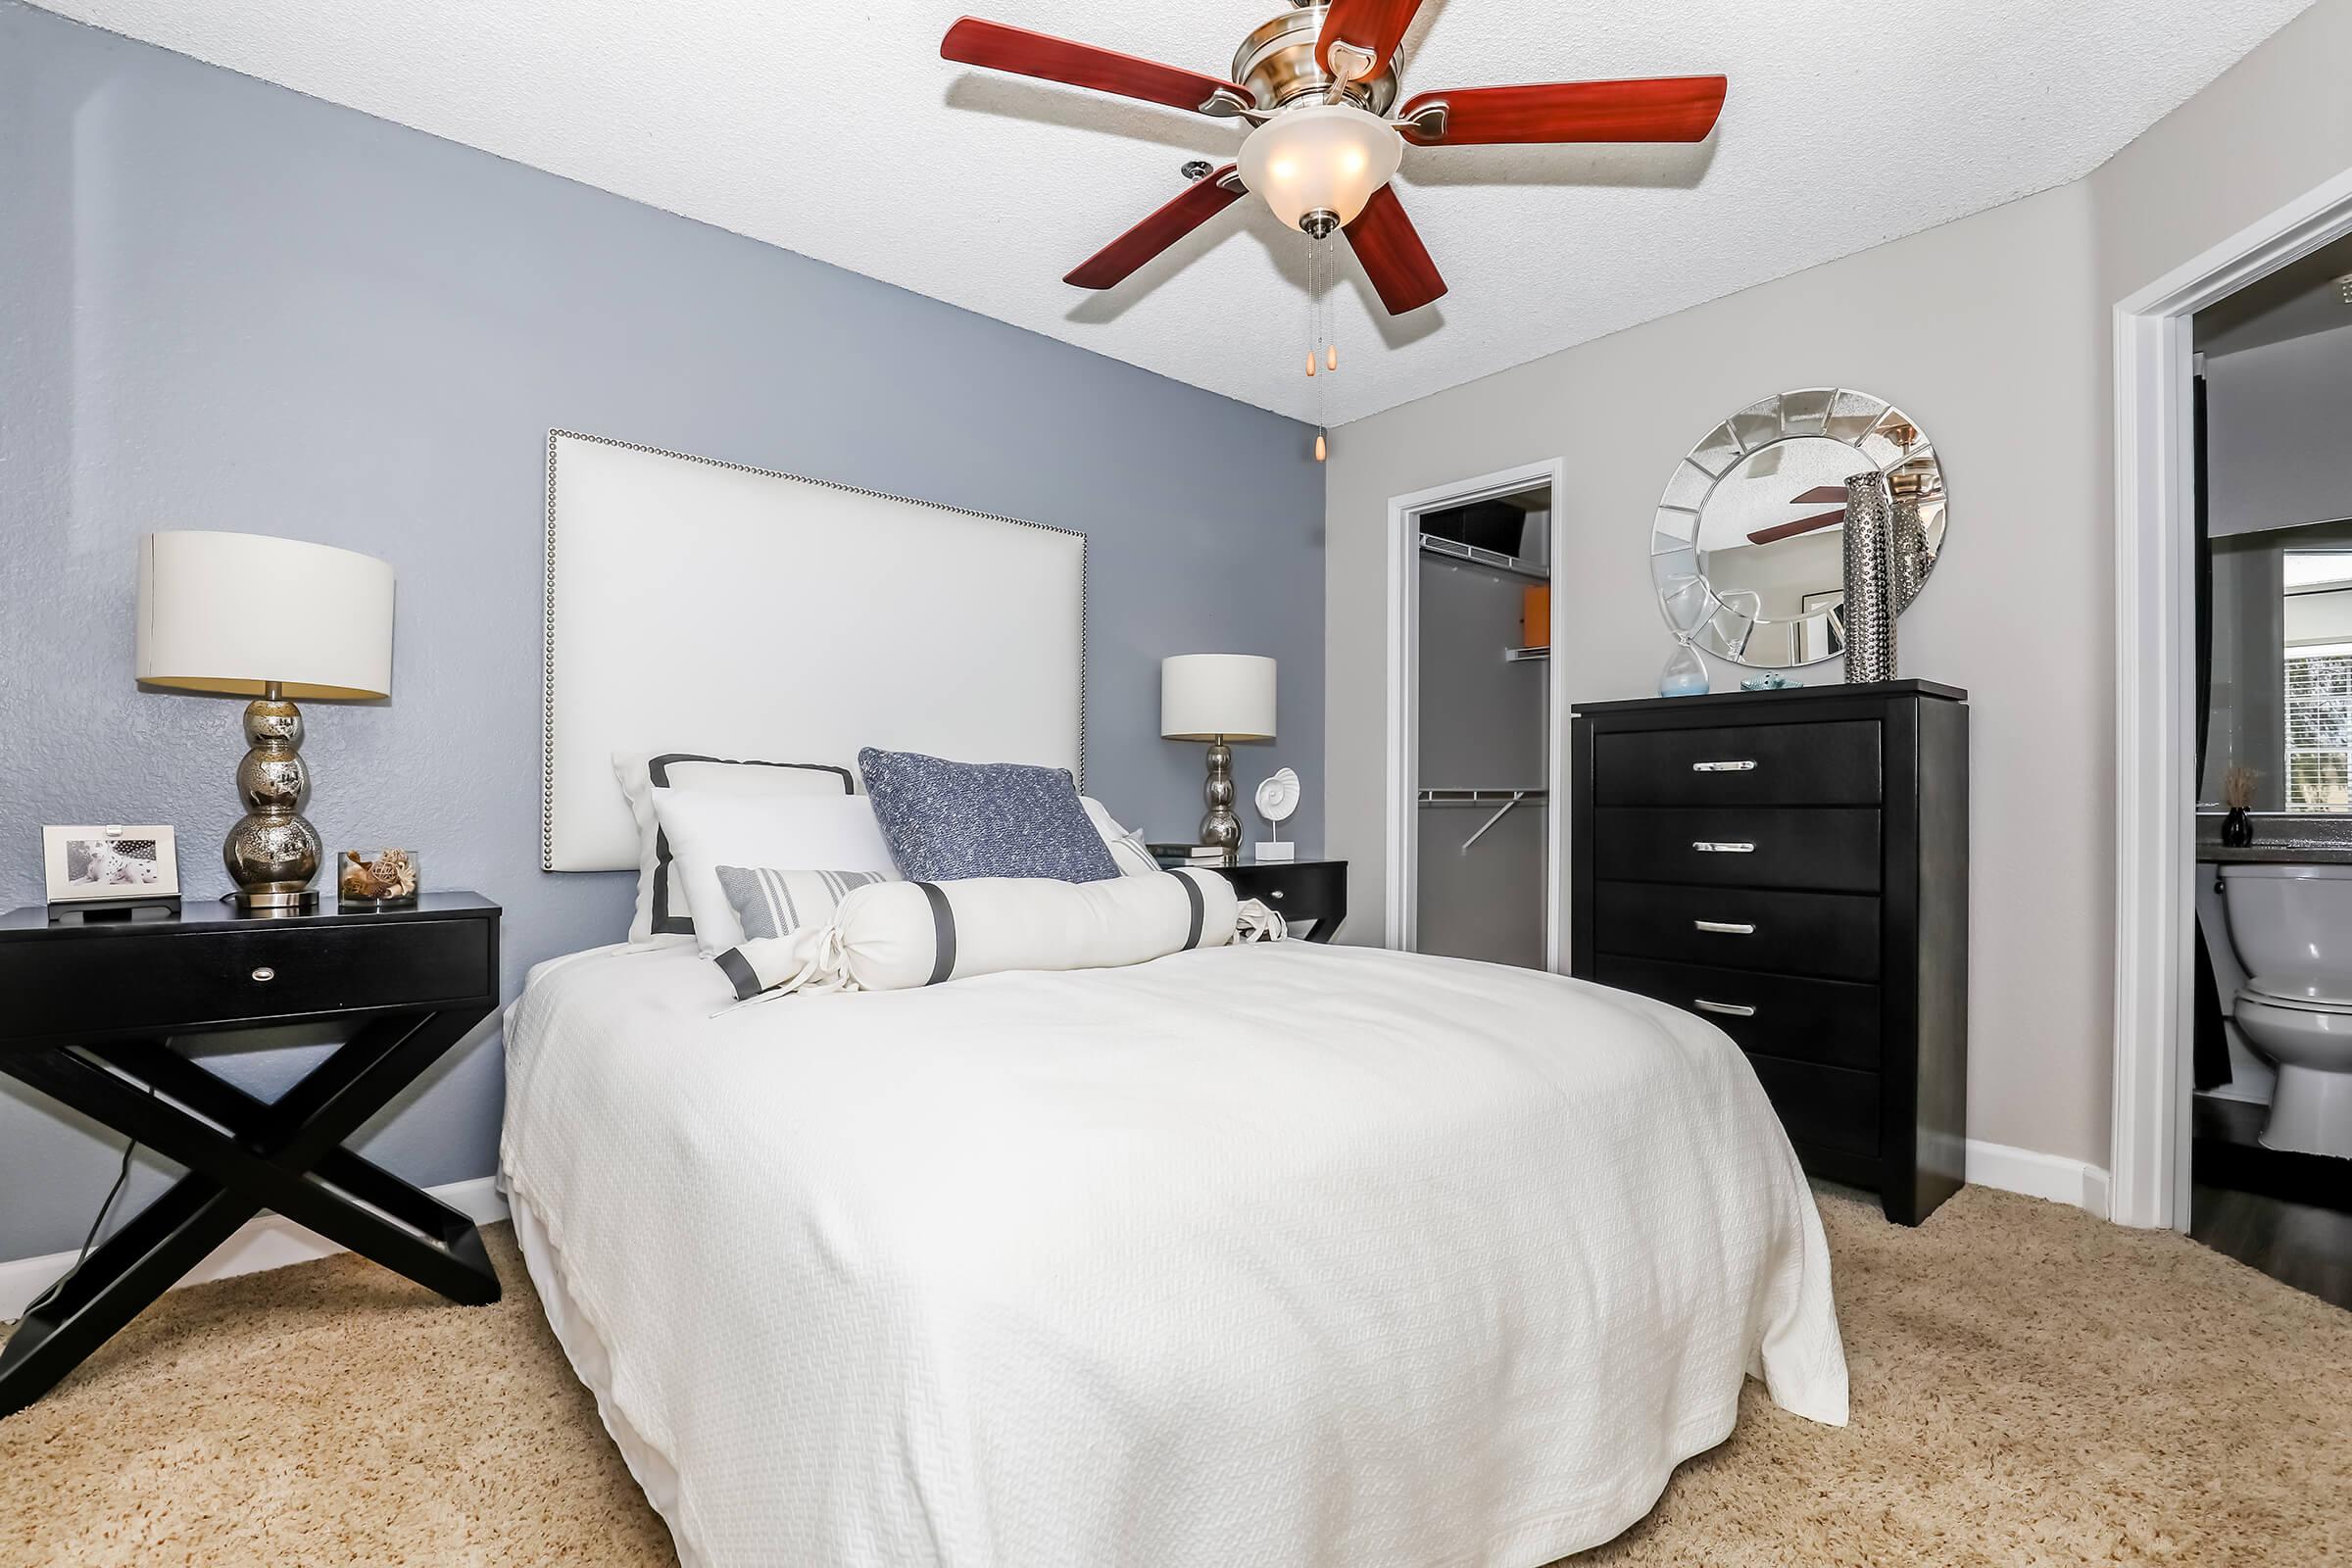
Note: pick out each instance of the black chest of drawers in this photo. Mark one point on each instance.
(1793, 866)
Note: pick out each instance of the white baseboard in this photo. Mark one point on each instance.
(264, 1241)
(2037, 1175)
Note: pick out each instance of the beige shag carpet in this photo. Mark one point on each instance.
(2031, 1386)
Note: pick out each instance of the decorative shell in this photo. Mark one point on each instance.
(1278, 797)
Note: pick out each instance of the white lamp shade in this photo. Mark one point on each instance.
(1330, 158)
(1203, 696)
(235, 611)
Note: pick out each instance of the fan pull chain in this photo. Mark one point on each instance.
(1329, 350)
(1314, 348)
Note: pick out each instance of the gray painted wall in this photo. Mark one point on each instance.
(1993, 332)
(2003, 615)
(226, 306)
(2274, 437)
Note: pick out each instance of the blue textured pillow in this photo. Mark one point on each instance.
(944, 820)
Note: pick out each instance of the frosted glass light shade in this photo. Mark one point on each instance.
(235, 611)
(1330, 158)
(1205, 695)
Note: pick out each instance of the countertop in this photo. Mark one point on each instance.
(2280, 838)
(2259, 853)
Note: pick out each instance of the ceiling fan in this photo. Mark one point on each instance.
(1317, 84)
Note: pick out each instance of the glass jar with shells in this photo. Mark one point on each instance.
(376, 879)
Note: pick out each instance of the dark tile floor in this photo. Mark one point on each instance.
(2257, 1205)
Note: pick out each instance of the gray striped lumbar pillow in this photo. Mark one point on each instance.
(776, 903)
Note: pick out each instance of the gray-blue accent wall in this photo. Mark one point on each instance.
(223, 305)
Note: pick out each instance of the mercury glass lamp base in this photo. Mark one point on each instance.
(264, 902)
(272, 851)
(1221, 828)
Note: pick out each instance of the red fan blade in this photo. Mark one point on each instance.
(996, 47)
(1203, 199)
(1370, 26)
(1790, 530)
(1394, 257)
(1663, 108)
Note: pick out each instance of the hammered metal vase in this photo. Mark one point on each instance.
(1912, 558)
(1870, 603)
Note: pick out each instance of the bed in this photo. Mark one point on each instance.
(1271, 1253)
(1279, 1254)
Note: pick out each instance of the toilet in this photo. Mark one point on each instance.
(2292, 928)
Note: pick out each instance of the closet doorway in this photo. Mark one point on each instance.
(1475, 725)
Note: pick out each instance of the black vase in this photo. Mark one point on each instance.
(2237, 830)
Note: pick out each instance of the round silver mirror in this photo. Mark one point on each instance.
(1749, 548)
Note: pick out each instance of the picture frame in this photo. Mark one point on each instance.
(117, 866)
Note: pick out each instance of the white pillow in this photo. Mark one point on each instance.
(664, 908)
(706, 829)
(896, 934)
(1127, 849)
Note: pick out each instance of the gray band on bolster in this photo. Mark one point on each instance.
(738, 970)
(943, 934)
(1198, 911)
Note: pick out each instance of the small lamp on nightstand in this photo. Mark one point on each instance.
(1217, 698)
(273, 619)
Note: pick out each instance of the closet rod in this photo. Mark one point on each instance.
(1478, 796)
(1455, 550)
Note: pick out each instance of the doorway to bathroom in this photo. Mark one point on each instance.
(2160, 555)
(2269, 1029)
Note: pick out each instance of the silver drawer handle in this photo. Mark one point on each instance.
(1729, 1009)
(1275, 895)
(1729, 928)
(1748, 766)
(265, 975)
(1711, 847)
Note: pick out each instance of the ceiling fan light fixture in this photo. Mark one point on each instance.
(1320, 162)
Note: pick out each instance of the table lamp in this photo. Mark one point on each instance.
(1217, 698)
(274, 620)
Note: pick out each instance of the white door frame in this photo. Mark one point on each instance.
(2155, 628)
(1404, 719)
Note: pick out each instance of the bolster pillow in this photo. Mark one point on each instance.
(891, 936)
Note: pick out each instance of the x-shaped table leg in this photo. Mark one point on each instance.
(243, 1154)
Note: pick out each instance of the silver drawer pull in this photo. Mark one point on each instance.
(1729, 928)
(265, 975)
(1712, 847)
(1729, 1009)
(1275, 895)
(1745, 767)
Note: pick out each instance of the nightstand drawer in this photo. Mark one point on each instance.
(1833, 935)
(167, 979)
(1761, 764)
(1299, 891)
(1826, 848)
(1833, 1022)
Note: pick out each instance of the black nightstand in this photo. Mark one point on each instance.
(1296, 890)
(86, 998)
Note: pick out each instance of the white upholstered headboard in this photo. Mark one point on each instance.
(695, 606)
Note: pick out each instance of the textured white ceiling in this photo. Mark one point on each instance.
(835, 129)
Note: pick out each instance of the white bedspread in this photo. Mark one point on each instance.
(1278, 1255)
